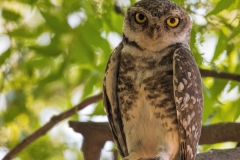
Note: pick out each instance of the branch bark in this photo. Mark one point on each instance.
(54, 120)
(228, 154)
(96, 134)
(222, 132)
(222, 75)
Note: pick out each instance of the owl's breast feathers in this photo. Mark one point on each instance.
(153, 101)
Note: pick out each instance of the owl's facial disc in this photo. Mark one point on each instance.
(156, 24)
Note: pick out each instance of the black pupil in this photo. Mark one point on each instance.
(141, 16)
(172, 20)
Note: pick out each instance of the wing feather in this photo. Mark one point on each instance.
(189, 101)
(110, 100)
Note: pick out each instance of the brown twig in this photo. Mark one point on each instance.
(222, 75)
(54, 120)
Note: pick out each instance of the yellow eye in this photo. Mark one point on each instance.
(140, 18)
(173, 22)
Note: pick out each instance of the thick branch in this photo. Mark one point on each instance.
(228, 154)
(222, 75)
(96, 134)
(222, 132)
(216, 133)
(54, 120)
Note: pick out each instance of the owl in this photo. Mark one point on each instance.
(152, 86)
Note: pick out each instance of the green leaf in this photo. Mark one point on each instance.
(46, 51)
(179, 2)
(89, 85)
(84, 75)
(72, 5)
(43, 84)
(25, 33)
(235, 32)
(197, 56)
(112, 20)
(31, 2)
(55, 23)
(208, 108)
(16, 100)
(99, 110)
(10, 15)
(221, 5)
(4, 56)
(235, 110)
(54, 49)
(221, 45)
(44, 150)
(81, 53)
(218, 87)
(193, 38)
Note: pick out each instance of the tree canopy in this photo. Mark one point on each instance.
(53, 55)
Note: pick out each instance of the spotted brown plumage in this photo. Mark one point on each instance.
(152, 86)
(188, 99)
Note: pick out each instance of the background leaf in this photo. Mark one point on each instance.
(223, 4)
(10, 15)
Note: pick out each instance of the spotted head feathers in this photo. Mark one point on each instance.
(154, 32)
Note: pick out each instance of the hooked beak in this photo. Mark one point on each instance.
(154, 34)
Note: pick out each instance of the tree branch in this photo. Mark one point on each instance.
(222, 132)
(227, 154)
(54, 120)
(96, 134)
(222, 75)
(215, 133)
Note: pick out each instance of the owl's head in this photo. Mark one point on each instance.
(156, 24)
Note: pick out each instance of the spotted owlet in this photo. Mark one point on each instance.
(152, 85)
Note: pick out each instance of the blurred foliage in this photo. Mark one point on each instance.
(53, 55)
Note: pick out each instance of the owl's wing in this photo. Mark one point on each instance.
(188, 100)
(110, 100)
